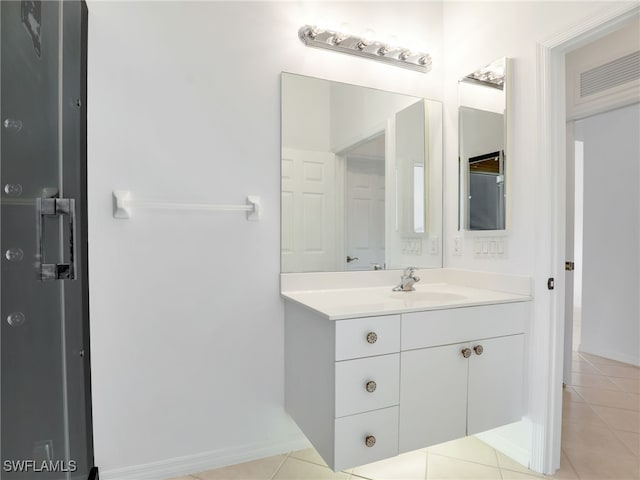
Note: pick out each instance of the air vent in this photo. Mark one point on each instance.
(623, 70)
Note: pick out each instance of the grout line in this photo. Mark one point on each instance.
(464, 460)
(286, 457)
(569, 462)
(426, 465)
(495, 453)
(615, 434)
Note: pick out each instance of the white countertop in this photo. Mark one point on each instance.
(343, 303)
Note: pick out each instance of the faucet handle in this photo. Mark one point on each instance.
(409, 271)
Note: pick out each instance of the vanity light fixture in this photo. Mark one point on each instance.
(492, 75)
(313, 36)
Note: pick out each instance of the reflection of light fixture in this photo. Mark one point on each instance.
(492, 75)
(313, 36)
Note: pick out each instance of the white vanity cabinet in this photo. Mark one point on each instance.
(365, 389)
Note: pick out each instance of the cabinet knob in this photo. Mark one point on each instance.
(371, 386)
(466, 352)
(372, 337)
(370, 441)
(478, 349)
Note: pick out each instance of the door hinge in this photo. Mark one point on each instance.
(569, 266)
(551, 283)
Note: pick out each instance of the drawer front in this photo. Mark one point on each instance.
(364, 337)
(367, 384)
(351, 433)
(457, 325)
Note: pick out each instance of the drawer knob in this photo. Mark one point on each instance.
(478, 349)
(370, 441)
(372, 337)
(466, 352)
(371, 386)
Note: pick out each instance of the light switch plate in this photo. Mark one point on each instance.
(457, 246)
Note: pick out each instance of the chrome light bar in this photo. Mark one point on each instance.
(313, 36)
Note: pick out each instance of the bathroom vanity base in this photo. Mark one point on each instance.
(365, 389)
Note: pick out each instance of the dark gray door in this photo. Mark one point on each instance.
(45, 382)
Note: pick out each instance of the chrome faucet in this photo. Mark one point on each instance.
(407, 280)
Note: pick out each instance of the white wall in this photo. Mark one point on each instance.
(308, 119)
(611, 256)
(186, 319)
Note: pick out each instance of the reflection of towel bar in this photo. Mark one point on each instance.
(122, 205)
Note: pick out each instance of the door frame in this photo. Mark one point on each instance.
(547, 329)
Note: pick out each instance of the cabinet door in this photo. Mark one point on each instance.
(433, 396)
(495, 383)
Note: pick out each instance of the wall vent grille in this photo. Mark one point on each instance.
(618, 72)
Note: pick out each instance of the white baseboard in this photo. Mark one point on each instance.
(199, 462)
(617, 356)
(511, 440)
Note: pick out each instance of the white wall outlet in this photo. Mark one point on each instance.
(457, 246)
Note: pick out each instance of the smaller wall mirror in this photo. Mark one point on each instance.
(482, 147)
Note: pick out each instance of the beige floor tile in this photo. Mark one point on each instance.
(511, 475)
(609, 398)
(584, 367)
(309, 455)
(590, 380)
(631, 385)
(262, 469)
(570, 395)
(507, 463)
(573, 412)
(439, 467)
(596, 439)
(590, 465)
(468, 448)
(619, 371)
(187, 477)
(566, 471)
(619, 419)
(294, 469)
(596, 360)
(408, 466)
(631, 440)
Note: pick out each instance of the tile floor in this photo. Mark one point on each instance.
(600, 440)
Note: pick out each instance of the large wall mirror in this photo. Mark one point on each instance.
(482, 146)
(361, 178)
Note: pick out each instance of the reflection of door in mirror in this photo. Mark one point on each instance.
(365, 205)
(308, 210)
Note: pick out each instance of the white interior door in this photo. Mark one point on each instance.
(308, 211)
(365, 210)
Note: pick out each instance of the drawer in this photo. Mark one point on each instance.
(351, 433)
(456, 325)
(363, 337)
(367, 384)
